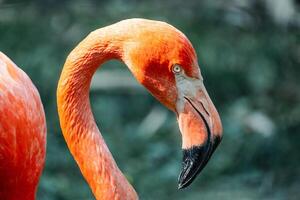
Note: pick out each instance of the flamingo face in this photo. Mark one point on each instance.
(198, 119)
(166, 64)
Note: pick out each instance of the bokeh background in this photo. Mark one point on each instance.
(249, 53)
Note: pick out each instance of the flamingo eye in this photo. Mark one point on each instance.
(176, 69)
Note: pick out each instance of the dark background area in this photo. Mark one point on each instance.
(249, 54)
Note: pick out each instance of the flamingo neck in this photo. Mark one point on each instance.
(77, 122)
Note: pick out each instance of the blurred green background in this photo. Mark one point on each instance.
(249, 53)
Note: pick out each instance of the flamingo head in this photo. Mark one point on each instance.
(164, 61)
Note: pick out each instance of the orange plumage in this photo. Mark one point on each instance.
(22, 133)
(150, 49)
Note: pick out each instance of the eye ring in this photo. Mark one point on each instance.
(176, 69)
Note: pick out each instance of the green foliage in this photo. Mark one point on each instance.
(250, 62)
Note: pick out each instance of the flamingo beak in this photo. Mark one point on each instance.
(201, 130)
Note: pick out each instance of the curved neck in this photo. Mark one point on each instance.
(77, 122)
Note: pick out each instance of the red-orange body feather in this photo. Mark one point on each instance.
(22, 133)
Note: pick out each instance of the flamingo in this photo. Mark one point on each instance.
(163, 60)
(22, 133)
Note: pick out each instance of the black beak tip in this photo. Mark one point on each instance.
(183, 185)
(180, 186)
(194, 160)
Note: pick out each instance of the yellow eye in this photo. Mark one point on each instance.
(176, 68)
